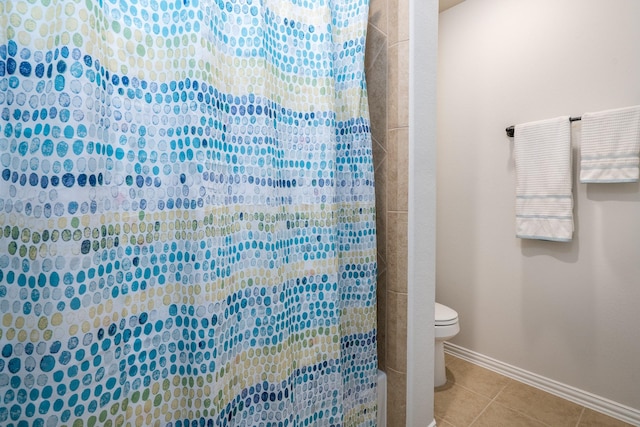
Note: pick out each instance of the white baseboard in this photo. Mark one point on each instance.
(581, 397)
(433, 424)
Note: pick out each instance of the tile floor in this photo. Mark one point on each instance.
(478, 397)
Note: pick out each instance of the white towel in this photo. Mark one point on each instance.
(610, 145)
(544, 202)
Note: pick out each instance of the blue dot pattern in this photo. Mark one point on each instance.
(187, 219)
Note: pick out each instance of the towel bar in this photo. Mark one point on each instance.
(511, 129)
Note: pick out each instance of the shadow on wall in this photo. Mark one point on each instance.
(614, 218)
(600, 210)
(543, 302)
(623, 192)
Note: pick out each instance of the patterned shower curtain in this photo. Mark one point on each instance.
(187, 224)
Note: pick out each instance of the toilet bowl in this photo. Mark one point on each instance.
(446, 327)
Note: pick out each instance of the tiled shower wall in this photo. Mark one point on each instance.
(387, 71)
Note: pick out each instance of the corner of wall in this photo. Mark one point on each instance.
(423, 44)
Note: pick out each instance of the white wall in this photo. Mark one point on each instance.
(423, 45)
(566, 311)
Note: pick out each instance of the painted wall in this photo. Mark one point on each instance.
(567, 311)
(421, 229)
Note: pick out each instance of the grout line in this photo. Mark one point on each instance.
(503, 388)
(580, 417)
(493, 400)
(395, 371)
(488, 404)
(581, 398)
(517, 411)
(379, 29)
(527, 416)
(398, 42)
(397, 292)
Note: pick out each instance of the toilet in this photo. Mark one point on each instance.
(447, 327)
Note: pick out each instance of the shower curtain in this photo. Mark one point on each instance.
(187, 224)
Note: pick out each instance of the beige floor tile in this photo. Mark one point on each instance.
(539, 405)
(477, 378)
(457, 405)
(497, 415)
(596, 419)
(442, 423)
(466, 398)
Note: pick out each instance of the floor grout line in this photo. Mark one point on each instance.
(488, 404)
(494, 399)
(604, 414)
(580, 417)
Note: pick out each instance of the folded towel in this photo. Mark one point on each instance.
(544, 203)
(610, 145)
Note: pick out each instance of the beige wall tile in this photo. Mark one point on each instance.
(398, 84)
(393, 21)
(397, 250)
(379, 153)
(381, 258)
(378, 14)
(376, 43)
(398, 20)
(382, 320)
(403, 84)
(381, 214)
(403, 20)
(392, 86)
(392, 171)
(396, 332)
(398, 153)
(402, 167)
(396, 398)
(376, 73)
(386, 66)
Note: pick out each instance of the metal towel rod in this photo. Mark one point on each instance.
(511, 129)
